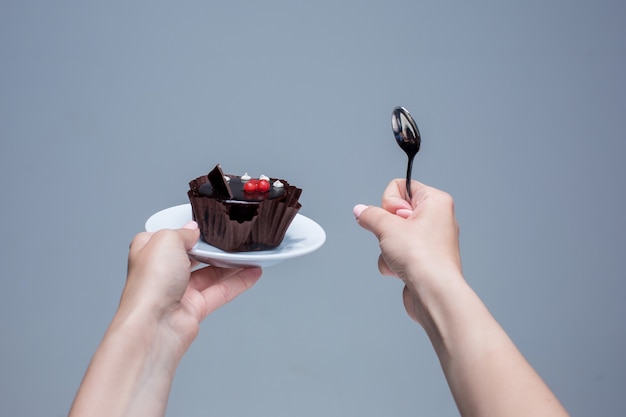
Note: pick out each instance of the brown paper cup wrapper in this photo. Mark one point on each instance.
(242, 226)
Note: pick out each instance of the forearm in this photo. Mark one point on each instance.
(131, 372)
(487, 374)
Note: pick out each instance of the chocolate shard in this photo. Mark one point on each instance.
(219, 184)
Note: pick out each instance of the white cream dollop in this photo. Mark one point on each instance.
(226, 178)
(278, 184)
(245, 177)
(264, 177)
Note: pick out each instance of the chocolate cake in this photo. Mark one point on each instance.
(239, 213)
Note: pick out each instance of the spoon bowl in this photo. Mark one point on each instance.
(408, 137)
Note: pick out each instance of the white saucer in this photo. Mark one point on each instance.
(303, 236)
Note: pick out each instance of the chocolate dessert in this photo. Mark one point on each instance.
(239, 213)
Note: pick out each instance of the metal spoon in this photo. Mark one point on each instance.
(408, 137)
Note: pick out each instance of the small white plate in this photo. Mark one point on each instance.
(303, 236)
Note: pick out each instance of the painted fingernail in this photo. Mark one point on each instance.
(358, 209)
(404, 213)
(192, 225)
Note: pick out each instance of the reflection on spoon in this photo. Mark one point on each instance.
(408, 137)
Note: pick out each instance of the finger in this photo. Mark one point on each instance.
(193, 263)
(192, 225)
(203, 278)
(404, 213)
(358, 209)
(375, 219)
(139, 241)
(228, 287)
(394, 196)
(384, 268)
(409, 303)
(190, 235)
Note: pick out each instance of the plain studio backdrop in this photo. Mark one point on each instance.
(108, 109)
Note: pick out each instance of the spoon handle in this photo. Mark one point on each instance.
(409, 168)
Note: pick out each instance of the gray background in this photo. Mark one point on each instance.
(108, 109)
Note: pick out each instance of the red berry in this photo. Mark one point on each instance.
(263, 186)
(250, 186)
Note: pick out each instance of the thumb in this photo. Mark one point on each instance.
(373, 219)
(190, 234)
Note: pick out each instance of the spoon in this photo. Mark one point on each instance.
(408, 137)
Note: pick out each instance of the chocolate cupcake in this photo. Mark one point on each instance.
(239, 213)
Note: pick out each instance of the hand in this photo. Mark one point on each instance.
(419, 241)
(159, 277)
(159, 315)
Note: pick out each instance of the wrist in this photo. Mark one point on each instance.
(148, 329)
(441, 300)
(455, 317)
(132, 370)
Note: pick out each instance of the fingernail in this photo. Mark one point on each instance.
(404, 213)
(192, 225)
(358, 209)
